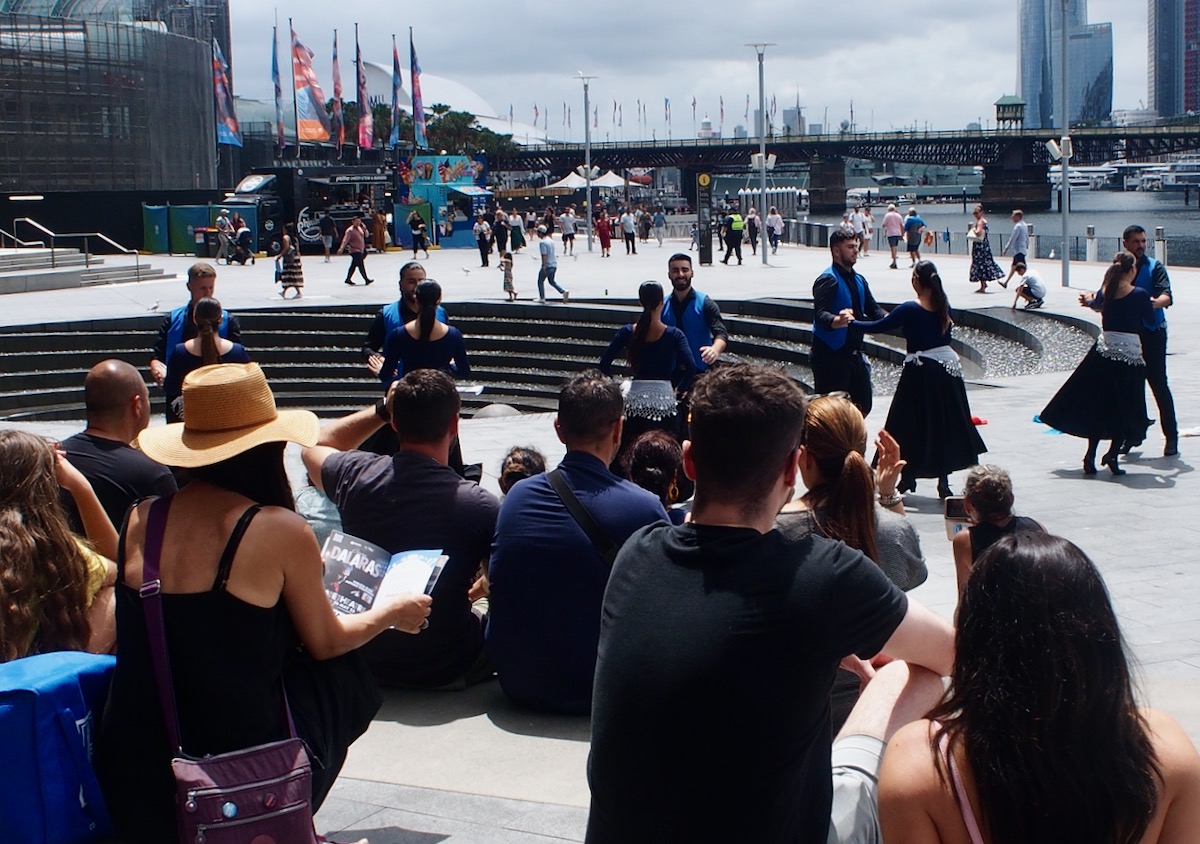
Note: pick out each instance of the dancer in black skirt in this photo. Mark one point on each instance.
(1105, 397)
(930, 417)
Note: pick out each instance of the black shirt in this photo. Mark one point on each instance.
(120, 475)
(718, 648)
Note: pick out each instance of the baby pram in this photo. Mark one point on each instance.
(241, 248)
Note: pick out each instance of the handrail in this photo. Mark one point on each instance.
(87, 258)
(17, 241)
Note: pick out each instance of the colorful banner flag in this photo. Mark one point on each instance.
(418, 102)
(312, 121)
(536, 114)
(747, 117)
(394, 137)
(667, 109)
(614, 120)
(693, 109)
(278, 87)
(772, 107)
(338, 127)
(228, 131)
(722, 110)
(568, 117)
(366, 124)
(621, 115)
(595, 117)
(564, 123)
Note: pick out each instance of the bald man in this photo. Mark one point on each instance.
(118, 409)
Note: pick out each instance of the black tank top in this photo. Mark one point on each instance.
(226, 660)
(984, 535)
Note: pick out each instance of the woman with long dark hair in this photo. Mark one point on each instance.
(846, 500)
(425, 342)
(983, 264)
(1105, 397)
(208, 347)
(661, 363)
(1039, 739)
(291, 271)
(55, 589)
(244, 608)
(930, 416)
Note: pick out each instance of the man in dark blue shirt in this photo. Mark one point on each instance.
(547, 577)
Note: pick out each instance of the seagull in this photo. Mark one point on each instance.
(153, 307)
(466, 270)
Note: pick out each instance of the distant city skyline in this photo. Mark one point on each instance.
(933, 65)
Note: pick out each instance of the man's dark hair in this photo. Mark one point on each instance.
(589, 405)
(679, 256)
(423, 405)
(1134, 229)
(745, 421)
(409, 266)
(839, 236)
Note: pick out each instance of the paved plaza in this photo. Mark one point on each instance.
(470, 768)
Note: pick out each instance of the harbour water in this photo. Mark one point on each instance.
(1109, 211)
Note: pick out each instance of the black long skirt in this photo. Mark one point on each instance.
(931, 420)
(1104, 399)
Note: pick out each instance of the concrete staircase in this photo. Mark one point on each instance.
(34, 268)
(521, 353)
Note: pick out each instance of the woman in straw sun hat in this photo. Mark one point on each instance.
(244, 606)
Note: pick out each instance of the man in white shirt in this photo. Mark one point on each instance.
(566, 223)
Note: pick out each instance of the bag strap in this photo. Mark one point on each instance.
(604, 544)
(156, 631)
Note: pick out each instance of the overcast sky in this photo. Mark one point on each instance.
(901, 63)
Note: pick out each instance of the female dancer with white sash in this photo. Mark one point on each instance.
(929, 417)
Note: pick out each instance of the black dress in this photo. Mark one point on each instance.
(930, 417)
(227, 659)
(1105, 397)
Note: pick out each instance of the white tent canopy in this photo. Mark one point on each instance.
(574, 181)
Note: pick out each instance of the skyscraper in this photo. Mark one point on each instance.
(1089, 63)
(1164, 67)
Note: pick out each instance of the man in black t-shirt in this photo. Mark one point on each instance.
(415, 501)
(719, 642)
(118, 409)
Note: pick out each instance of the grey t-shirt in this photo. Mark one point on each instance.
(409, 502)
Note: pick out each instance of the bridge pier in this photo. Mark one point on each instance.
(827, 185)
(1015, 184)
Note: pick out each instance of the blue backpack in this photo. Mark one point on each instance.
(50, 704)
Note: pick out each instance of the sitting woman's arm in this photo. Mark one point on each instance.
(97, 527)
(324, 633)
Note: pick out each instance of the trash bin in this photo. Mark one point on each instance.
(204, 247)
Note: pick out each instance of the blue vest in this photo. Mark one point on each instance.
(175, 332)
(835, 338)
(392, 321)
(1144, 280)
(695, 326)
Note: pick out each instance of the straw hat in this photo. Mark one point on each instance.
(229, 409)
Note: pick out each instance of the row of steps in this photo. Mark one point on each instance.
(34, 268)
(520, 353)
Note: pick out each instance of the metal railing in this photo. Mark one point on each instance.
(17, 242)
(87, 255)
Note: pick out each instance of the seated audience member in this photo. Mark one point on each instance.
(415, 501)
(57, 591)
(241, 588)
(208, 347)
(118, 409)
(547, 574)
(842, 503)
(988, 499)
(654, 461)
(720, 639)
(520, 463)
(1040, 738)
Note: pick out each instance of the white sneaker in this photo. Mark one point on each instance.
(540, 300)
(566, 296)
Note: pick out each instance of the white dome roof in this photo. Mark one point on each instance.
(436, 89)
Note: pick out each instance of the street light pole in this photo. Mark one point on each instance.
(761, 48)
(1065, 146)
(587, 153)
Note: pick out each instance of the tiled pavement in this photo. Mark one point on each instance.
(468, 767)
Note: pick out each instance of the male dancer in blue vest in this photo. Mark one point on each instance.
(394, 316)
(693, 313)
(837, 360)
(1151, 277)
(178, 326)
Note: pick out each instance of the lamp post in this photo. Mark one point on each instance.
(1065, 147)
(761, 48)
(587, 152)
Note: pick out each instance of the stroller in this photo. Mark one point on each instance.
(241, 248)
